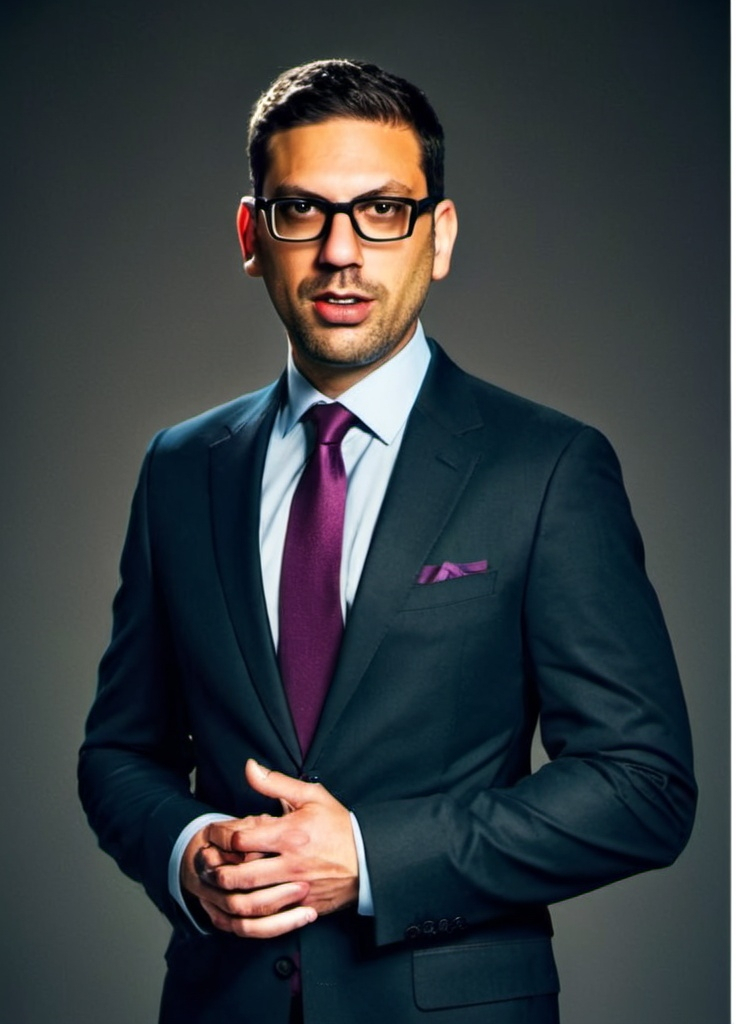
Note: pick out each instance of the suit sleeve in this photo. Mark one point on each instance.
(618, 794)
(135, 762)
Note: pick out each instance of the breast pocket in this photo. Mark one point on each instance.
(463, 588)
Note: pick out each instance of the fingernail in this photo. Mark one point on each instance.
(310, 915)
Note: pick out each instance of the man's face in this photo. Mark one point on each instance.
(349, 304)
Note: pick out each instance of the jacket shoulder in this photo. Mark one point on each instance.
(499, 413)
(500, 406)
(218, 423)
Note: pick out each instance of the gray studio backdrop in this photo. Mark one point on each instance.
(587, 151)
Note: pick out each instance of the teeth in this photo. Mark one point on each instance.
(341, 302)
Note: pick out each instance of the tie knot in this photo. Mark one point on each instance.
(331, 422)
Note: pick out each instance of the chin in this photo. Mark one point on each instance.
(352, 355)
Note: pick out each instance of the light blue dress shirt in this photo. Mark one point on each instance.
(382, 401)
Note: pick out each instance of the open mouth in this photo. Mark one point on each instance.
(345, 310)
(341, 298)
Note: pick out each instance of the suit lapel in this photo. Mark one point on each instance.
(236, 470)
(432, 470)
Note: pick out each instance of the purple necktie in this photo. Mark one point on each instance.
(310, 613)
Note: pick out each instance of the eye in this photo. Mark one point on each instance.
(297, 209)
(383, 209)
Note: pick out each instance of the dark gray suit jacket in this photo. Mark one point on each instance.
(427, 728)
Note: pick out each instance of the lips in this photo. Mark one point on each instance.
(342, 308)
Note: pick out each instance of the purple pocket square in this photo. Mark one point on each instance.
(450, 571)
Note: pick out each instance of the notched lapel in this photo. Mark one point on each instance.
(236, 470)
(432, 471)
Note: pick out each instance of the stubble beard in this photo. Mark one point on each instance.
(356, 347)
(366, 344)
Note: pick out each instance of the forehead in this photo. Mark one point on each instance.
(343, 157)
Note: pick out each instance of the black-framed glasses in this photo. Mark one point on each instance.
(375, 219)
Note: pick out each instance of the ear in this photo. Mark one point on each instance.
(445, 233)
(245, 220)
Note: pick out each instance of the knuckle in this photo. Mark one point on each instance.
(218, 878)
(220, 921)
(214, 836)
(229, 879)
(236, 905)
(239, 905)
(295, 840)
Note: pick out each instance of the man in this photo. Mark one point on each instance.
(368, 604)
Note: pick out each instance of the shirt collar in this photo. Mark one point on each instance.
(382, 400)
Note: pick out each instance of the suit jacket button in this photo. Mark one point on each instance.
(309, 777)
(413, 932)
(442, 924)
(429, 928)
(458, 924)
(284, 967)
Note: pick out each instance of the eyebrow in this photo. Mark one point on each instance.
(389, 188)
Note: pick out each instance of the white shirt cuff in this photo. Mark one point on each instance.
(177, 853)
(365, 896)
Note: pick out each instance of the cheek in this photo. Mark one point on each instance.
(280, 275)
(412, 277)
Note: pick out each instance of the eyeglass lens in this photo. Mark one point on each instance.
(379, 219)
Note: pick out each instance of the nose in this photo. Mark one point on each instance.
(341, 246)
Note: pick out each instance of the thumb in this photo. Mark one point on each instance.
(278, 786)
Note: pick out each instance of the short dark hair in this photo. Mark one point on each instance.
(315, 92)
